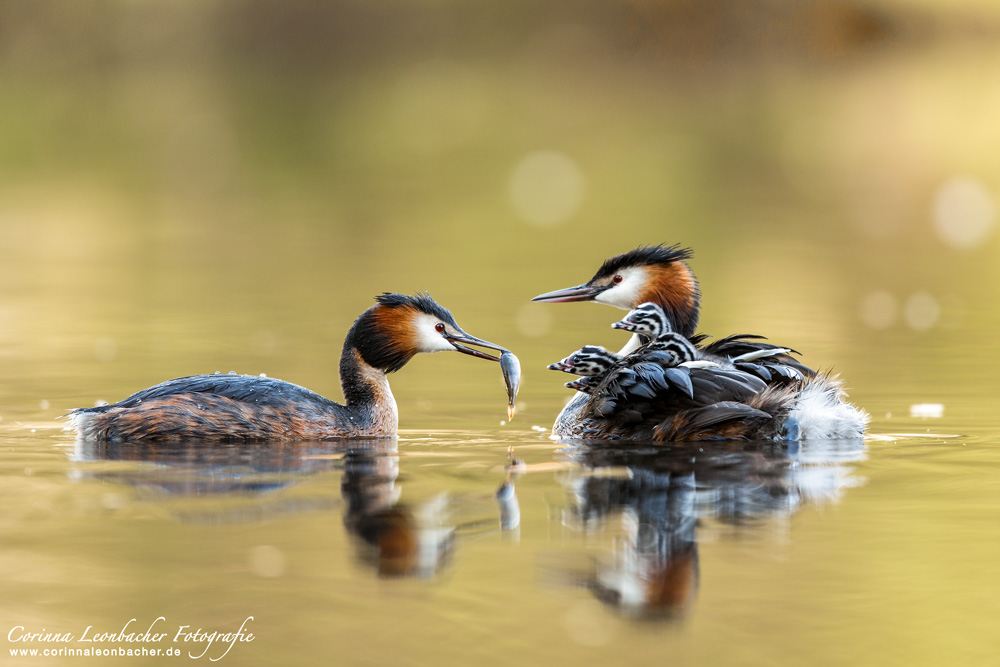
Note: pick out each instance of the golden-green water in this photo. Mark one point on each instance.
(215, 186)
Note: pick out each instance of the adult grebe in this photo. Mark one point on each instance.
(248, 407)
(737, 387)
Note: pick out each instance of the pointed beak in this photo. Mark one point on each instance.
(570, 294)
(457, 340)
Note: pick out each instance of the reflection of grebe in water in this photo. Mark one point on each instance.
(400, 540)
(247, 407)
(395, 538)
(659, 499)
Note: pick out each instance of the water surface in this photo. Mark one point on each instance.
(225, 187)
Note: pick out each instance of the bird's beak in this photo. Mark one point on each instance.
(570, 294)
(456, 341)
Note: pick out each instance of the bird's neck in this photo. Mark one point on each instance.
(367, 395)
(675, 289)
(633, 344)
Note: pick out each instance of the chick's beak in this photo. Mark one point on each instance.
(457, 339)
(569, 294)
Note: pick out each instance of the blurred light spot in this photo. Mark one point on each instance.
(588, 624)
(879, 310)
(533, 320)
(425, 405)
(921, 311)
(105, 349)
(267, 561)
(546, 188)
(963, 213)
(43, 404)
(927, 410)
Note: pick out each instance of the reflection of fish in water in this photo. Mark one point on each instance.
(661, 495)
(244, 407)
(737, 387)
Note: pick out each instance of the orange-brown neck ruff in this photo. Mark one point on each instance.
(396, 334)
(674, 287)
(384, 337)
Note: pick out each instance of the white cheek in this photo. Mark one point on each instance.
(428, 339)
(626, 293)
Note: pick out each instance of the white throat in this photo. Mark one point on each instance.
(633, 344)
(625, 295)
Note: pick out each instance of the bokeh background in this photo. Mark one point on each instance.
(216, 185)
(191, 186)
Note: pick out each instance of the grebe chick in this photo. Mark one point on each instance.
(589, 360)
(650, 323)
(740, 386)
(647, 320)
(248, 407)
(586, 384)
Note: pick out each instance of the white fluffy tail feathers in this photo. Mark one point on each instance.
(822, 411)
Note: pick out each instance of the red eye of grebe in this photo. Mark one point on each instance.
(439, 327)
(617, 279)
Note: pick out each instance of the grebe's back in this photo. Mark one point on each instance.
(217, 407)
(250, 407)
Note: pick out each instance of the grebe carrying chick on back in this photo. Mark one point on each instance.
(667, 384)
(248, 407)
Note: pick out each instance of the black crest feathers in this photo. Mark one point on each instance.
(643, 256)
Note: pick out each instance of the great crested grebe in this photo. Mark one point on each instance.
(248, 407)
(668, 384)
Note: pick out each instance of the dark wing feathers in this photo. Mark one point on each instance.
(727, 419)
(680, 378)
(247, 388)
(648, 395)
(756, 369)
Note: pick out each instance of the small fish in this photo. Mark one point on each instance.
(511, 368)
